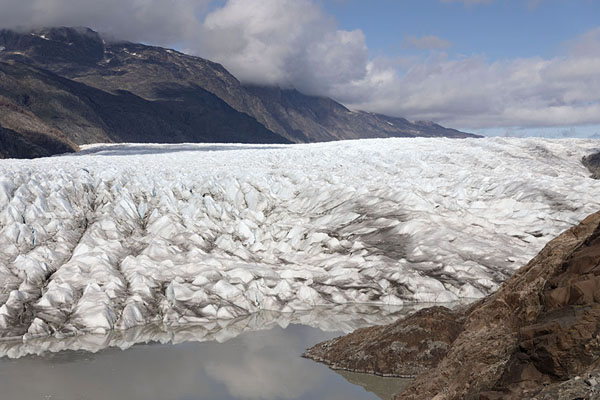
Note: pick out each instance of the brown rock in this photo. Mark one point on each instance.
(535, 335)
(558, 297)
(406, 349)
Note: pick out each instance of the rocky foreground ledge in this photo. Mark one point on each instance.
(537, 337)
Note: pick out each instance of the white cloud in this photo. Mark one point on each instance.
(294, 43)
(429, 42)
(586, 45)
(155, 21)
(285, 42)
(474, 93)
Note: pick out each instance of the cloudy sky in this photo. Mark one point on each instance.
(505, 67)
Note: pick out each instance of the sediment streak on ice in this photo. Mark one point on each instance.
(126, 235)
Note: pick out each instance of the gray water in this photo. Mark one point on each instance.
(254, 365)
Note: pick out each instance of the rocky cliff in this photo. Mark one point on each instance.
(536, 337)
(49, 76)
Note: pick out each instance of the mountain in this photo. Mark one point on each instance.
(84, 114)
(317, 119)
(88, 89)
(536, 337)
(23, 134)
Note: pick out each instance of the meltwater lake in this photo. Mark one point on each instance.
(252, 357)
(263, 364)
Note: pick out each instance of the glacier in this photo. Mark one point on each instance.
(126, 235)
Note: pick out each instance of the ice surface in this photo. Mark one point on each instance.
(125, 235)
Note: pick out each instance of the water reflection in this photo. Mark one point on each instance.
(384, 388)
(341, 318)
(255, 365)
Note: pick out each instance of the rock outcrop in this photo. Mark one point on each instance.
(538, 336)
(403, 349)
(592, 162)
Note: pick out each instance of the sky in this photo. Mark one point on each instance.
(497, 67)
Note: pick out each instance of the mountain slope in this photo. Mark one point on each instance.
(82, 114)
(150, 72)
(23, 135)
(158, 74)
(14, 144)
(317, 119)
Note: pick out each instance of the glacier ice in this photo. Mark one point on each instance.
(125, 235)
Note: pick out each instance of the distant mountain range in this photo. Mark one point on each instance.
(63, 87)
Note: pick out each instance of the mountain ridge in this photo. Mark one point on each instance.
(180, 97)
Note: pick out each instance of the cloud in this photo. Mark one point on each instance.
(472, 93)
(285, 42)
(294, 43)
(429, 42)
(155, 21)
(586, 45)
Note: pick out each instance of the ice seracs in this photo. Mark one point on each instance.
(125, 235)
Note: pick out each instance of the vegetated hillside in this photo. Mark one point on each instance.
(189, 98)
(537, 336)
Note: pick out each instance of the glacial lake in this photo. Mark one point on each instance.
(261, 365)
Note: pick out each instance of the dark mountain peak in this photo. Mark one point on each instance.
(82, 39)
(69, 35)
(61, 48)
